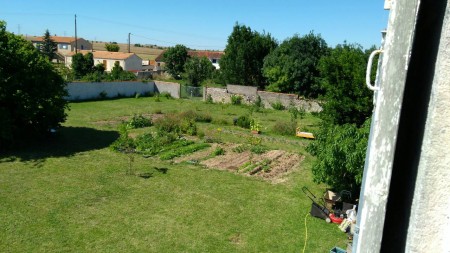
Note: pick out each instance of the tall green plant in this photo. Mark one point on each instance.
(48, 46)
(340, 152)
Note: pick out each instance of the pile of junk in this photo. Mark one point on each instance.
(335, 207)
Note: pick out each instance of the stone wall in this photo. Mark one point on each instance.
(223, 95)
(94, 90)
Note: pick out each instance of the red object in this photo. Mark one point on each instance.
(337, 220)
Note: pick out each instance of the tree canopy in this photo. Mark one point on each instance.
(31, 91)
(293, 65)
(82, 64)
(343, 77)
(244, 55)
(112, 47)
(175, 58)
(340, 152)
(48, 46)
(198, 69)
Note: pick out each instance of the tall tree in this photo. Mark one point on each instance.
(31, 95)
(293, 66)
(82, 64)
(175, 58)
(343, 77)
(48, 46)
(244, 54)
(112, 47)
(198, 69)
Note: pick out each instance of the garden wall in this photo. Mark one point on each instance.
(96, 90)
(249, 95)
(172, 88)
(93, 90)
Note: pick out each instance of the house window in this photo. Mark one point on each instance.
(214, 60)
(63, 46)
(82, 47)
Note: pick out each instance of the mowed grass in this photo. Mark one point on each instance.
(70, 193)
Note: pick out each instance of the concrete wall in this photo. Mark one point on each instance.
(86, 90)
(172, 88)
(250, 94)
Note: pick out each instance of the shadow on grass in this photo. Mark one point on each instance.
(66, 142)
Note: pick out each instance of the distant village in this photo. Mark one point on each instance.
(128, 60)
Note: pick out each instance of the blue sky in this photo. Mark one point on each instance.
(200, 24)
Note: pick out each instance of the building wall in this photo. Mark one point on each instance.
(249, 95)
(133, 63)
(87, 90)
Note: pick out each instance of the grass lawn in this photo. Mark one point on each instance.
(70, 193)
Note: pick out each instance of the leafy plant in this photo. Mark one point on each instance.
(236, 99)
(138, 121)
(209, 99)
(242, 121)
(255, 125)
(166, 94)
(285, 127)
(277, 105)
(218, 151)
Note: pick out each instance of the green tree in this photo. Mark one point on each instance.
(116, 71)
(112, 47)
(244, 56)
(31, 95)
(48, 46)
(343, 77)
(198, 69)
(293, 66)
(82, 64)
(175, 58)
(340, 152)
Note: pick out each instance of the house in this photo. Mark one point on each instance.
(213, 56)
(128, 61)
(65, 45)
(158, 62)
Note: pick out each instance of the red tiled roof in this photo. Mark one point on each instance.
(105, 54)
(207, 54)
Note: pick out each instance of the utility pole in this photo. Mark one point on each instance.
(76, 40)
(129, 42)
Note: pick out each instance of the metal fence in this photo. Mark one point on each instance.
(191, 92)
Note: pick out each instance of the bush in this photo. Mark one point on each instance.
(236, 100)
(197, 117)
(138, 121)
(258, 102)
(277, 105)
(285, 128)
(243, 121)
(209, 99)
(173, 123)
(218, 151)
(165, 94)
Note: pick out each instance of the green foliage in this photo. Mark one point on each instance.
(183, 151)
(258, 149)
(198, 69)
(255, 125)
(340, 152)
(258, 102)
(112, 47)
(82, 64)
(236, 99)
(243, 121)
(293, 66)
(166, 94)
(48, 46)
(347, 98)
(174, 123)
(196, 116)
(277, 105)
(209, 99)
(138, 121)
(31, 90)
(218, 151)
(175, 58)
(124, 143)
(244, 54)
(285, 128)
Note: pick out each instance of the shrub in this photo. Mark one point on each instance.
(258, 149)
(258, 102)
(277, 105)
(165, 94)
(138, 121)
(236, 100)
(285, 128)
(197, 117)
(243, 121)
(173, 123)
(103, 95)
(209, 99)
(218, 151)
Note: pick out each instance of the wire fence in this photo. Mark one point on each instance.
(191, 92)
